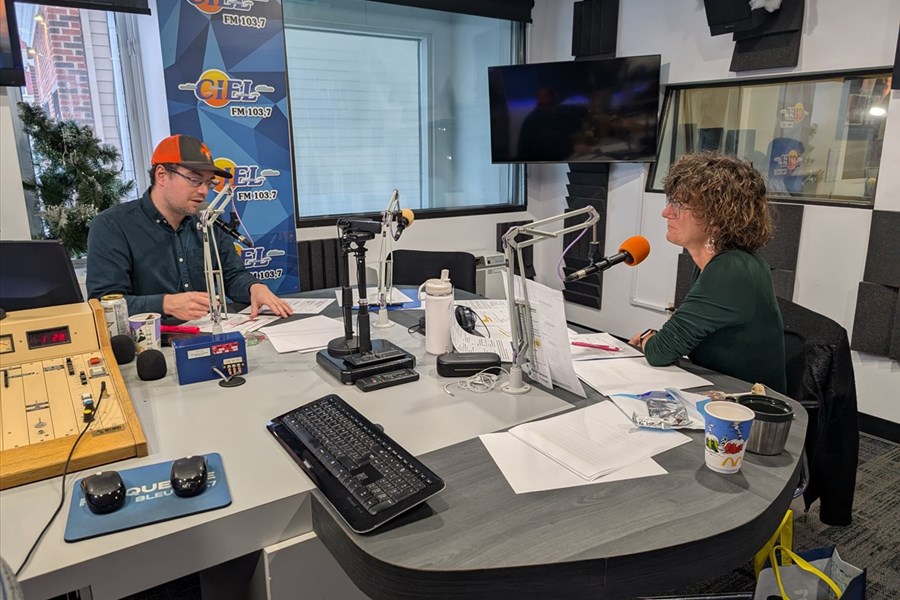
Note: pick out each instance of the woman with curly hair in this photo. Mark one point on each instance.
(716, 209)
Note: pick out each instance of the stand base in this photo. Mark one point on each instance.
(515, 385)
(384, 357)
(342, 346)
(382, 322)
(508, 389)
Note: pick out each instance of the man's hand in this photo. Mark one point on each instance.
(261, 295)
(186, 306)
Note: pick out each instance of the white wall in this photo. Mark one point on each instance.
(13, 218)
(833, 241)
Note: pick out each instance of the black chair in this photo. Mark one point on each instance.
(820, 376)
(413, 267)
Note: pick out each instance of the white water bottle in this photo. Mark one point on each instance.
(438, 299)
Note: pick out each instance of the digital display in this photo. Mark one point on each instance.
(48, 337)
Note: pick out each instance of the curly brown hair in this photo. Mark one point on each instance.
(726, 193)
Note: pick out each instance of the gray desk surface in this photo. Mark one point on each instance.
(476, 539)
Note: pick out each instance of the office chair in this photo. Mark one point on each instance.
(413, 267)
(820, 377)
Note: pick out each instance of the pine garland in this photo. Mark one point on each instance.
(78, 176)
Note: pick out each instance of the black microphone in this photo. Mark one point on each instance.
(229, 228)
(151, 365)
(632, 251)
(123, 348)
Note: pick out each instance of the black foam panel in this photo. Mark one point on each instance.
(583, 299)
(781, 251)
(683, 277)
(577, 20)
(783, 282)
(598, 168)
(873, 324)
(775, 51)
(587, 191)
(787, 18)
(895, 81)
(723, 16)
(577, 178)
(882, 262)
(894, 351)
(604, 28)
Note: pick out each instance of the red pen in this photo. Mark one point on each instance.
(597, 346)
(179, 329)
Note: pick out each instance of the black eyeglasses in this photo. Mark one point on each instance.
(195, 181)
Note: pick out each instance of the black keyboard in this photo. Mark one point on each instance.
(366, 476)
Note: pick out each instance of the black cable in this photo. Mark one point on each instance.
(62, 498)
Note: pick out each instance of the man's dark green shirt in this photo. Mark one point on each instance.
(728, 322)
(133, 250)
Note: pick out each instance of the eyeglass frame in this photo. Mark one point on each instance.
(676, 205)
(194, 181)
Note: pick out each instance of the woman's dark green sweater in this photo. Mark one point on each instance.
(729, 322)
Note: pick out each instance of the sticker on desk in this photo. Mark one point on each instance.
(149, 499)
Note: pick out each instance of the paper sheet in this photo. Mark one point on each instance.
(304, 335)
(596, 440)
(395, 297)
(300, 306)
(494, 330)
(240, 323)
(633, 376)
(527, 470)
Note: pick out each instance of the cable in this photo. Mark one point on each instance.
(479, 383)
(62, 497)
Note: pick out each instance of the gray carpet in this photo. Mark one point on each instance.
(869, 542)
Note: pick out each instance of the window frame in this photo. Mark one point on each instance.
(668, 104)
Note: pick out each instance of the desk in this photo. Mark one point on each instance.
(475, 539)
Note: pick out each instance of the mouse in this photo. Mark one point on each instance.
(104, 492)
(189, 476)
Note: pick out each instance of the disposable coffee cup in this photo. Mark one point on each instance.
(771, 424)
(145, 331)
(728, 427)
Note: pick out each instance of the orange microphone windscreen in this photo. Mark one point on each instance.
(407, 214)
(638, 247)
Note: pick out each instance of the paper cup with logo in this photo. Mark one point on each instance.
(727, 431)
(145, 331)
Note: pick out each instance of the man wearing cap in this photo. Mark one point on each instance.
(151, 250)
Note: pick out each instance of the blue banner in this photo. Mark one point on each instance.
(226, 84)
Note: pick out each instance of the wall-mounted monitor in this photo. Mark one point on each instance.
(11, 71)
(598, 110)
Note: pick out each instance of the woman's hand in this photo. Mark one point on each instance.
(640, 339)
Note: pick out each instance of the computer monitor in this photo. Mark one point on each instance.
(35, 274)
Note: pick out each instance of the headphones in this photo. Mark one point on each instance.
(468, 319)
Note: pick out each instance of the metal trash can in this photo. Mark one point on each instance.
(772, 424)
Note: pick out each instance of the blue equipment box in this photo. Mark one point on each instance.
(198, 358)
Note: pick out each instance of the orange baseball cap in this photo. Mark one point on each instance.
(187, 151)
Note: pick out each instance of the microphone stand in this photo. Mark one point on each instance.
(520, 309)
(212, 269)
(385, 264)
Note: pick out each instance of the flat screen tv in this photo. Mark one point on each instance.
(598, 110)
(11, 71)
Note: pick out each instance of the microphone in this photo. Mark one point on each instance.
(230, 228)
(632, 251)
(123, 348)
(151, 365)
(404, 218)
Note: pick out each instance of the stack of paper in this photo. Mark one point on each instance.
(300, 306)
(304, 335)
(239, 323)
(596, 440)
(633, 376)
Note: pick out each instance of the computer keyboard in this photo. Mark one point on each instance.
(366, 476)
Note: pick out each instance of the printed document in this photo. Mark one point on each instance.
(596, 440)
(300, 306)
(633, 376)
(304, 335)
(395, 297)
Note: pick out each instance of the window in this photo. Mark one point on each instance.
(395, 97)
(815, 138)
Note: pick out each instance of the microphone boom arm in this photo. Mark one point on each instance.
(520, 310)
(212, 270)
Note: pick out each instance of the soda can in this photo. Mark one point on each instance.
(116, 311)
(145, 331)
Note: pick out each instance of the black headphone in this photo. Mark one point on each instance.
(468, 319)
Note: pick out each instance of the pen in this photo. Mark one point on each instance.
(597, 346)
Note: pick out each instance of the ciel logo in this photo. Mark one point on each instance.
(211, 7)
(217, 89)
(244, 176)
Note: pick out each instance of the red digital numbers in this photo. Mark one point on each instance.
(48, 337)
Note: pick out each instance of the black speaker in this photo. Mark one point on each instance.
(727, 16)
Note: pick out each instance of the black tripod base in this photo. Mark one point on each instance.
(342, 346)
(384, 357)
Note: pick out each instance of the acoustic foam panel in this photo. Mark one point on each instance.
(604, 28)
(894, 352)
(781, 251)
(783, 282)
(582, 299)
(774, 51)
(683, 277)
(873, 324)
(787, 18)
(883, 256)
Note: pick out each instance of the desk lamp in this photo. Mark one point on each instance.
(520, 309)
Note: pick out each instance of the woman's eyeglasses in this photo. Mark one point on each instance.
(676, 205)
(195, 181)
